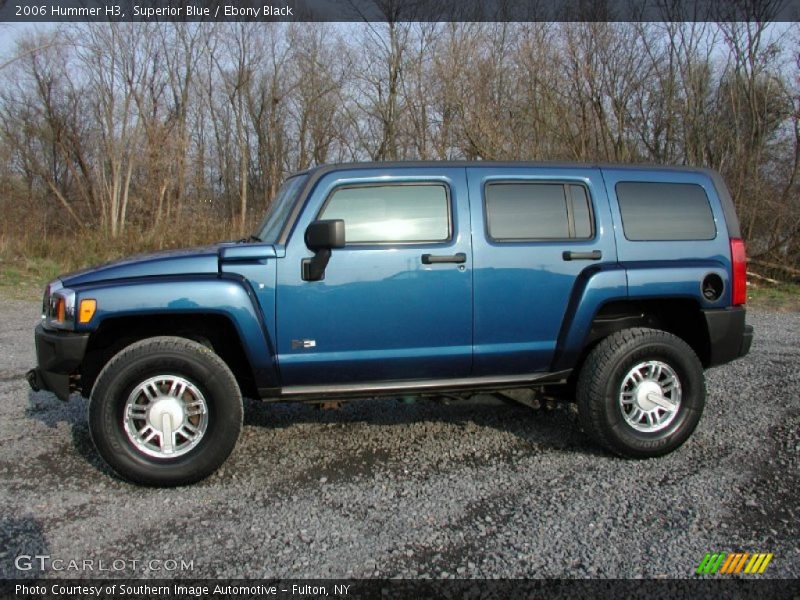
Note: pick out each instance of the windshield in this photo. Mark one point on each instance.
(280, 208)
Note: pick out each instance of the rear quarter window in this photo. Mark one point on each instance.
(665, 211)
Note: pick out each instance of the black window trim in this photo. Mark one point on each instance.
(568, 199)
(678, 240)
(397, 183)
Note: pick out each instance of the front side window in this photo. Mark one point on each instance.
(523, 211)
(381, 214)
(665, 211)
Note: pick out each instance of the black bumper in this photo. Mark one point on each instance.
(728, 335)
(58, 355)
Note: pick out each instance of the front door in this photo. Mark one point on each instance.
(396, 302)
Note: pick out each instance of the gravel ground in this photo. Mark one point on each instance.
(476, 488)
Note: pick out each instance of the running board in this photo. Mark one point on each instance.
(422, 386)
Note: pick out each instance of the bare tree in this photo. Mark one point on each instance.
(115, 67)
(149, 126)
(40, 118)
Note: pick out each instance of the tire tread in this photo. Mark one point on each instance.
(157, 345)
(594, 375)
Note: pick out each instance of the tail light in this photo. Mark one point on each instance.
(739, 270)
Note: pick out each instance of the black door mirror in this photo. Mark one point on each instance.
(321, 237)
(325, 234)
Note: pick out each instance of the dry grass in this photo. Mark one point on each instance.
(781, 297)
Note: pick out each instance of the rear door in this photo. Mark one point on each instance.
(396, 302)
(538, 233)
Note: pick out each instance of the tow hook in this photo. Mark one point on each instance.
(33, 380)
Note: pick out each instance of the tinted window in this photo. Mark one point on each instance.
(537, 211)
(391, 213)
(665, 211)
(580, 210)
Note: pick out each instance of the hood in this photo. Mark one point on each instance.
(188, 261)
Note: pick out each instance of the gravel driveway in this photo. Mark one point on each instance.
(476, 488)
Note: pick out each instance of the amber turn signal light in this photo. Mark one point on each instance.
(86, 311)
(61, 310)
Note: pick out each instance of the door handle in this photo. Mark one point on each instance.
(432, 259)
(593, 255)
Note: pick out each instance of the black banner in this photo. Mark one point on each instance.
(145, 589)
(396, 10)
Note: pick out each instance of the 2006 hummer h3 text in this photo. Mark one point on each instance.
(620, 283)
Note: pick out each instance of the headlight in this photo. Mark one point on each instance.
(58, 306)
(51, 287)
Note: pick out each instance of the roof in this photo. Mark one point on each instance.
(329, 167)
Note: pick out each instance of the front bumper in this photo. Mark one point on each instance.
(728, 335)
(58, 355)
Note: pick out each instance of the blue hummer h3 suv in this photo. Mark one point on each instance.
(619, 283)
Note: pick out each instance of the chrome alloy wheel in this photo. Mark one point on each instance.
(165, 416)
(650, 396)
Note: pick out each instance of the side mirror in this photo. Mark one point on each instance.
(321, 237)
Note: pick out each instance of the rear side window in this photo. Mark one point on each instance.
(391, 213)
(665, 211)
(537, 211)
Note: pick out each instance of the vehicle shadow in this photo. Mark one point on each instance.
(45, 408)
(552, 426)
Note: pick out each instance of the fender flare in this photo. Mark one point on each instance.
(229, 296)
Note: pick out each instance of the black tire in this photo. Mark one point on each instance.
(154, 357)
(600, 382)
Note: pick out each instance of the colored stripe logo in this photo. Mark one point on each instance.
(734, 563)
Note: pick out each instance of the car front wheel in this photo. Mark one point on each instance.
(165, 411)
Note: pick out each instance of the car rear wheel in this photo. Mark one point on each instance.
(165, 411)
(641, 392)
